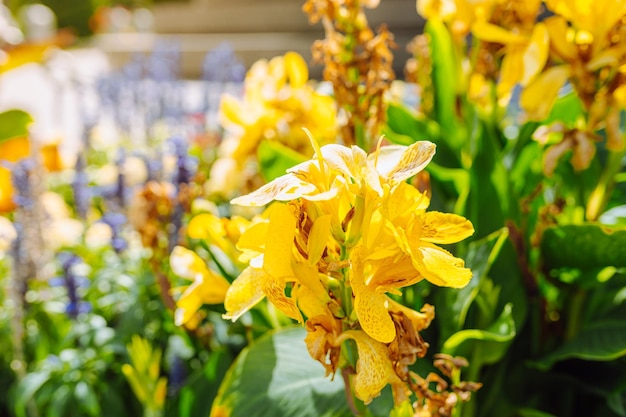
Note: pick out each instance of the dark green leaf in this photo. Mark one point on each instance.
(600, 341)
(14, 123)
(275, 158)
(196, 397)
(583, 246)
(277, 377)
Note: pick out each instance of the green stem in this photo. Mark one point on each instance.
(574, 319)
(600, 195)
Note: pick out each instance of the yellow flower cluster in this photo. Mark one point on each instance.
(580, 42)
(278, 101)
(343, 232)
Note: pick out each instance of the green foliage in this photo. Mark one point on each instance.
(14, 123)
(276, 376)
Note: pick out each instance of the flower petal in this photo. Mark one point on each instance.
(399, 163)
(284, 188)
(536, 53)
(297, 69)
(318, 238)
(279, 242)
(494, 33)
(371, 309)
(244, 293)
(373, 368)
(538, 97)
(440, 267)
(186, 263)
(436, 227)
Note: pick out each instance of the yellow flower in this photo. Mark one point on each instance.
(586, 38)
(207, 287)
(278, 101)
(352, 231)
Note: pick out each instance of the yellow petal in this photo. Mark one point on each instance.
(538, 97)
(371, 309)
(244, 293)
(373, 368)
(186, 263)
(511, 72)
(399, 163)
(274, 289)
(187, 306)
(254, 237)
(285, 188)
(318, 237)
(557, 30)
(441, 268)
(436, 227)
(493, 33)
(279, 243)
(205, 226)
(309, 277)
(297, 69)
(536, 53)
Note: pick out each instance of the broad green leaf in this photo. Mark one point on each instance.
(490, 343)
(275, 158)
(600, 341)
(275, 376)
(583, 246)
(27, 389)
(14, 123)
(196, 397)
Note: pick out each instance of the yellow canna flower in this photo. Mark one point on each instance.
(586, 40)
(345, 230)
(206, 288)
(278, 101)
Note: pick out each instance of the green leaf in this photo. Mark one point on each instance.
(275, 159)
(86, 397)
(59, 403)
(531, 412)
(275, 376)
(196, 397)
(490, 342)
(405, 128)
(457, 177)
(14, 123)
(601, 341)
(617, 402)
(583, 246)
(567, 109)
(27, 389)
(480, 257)
(444, 74)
